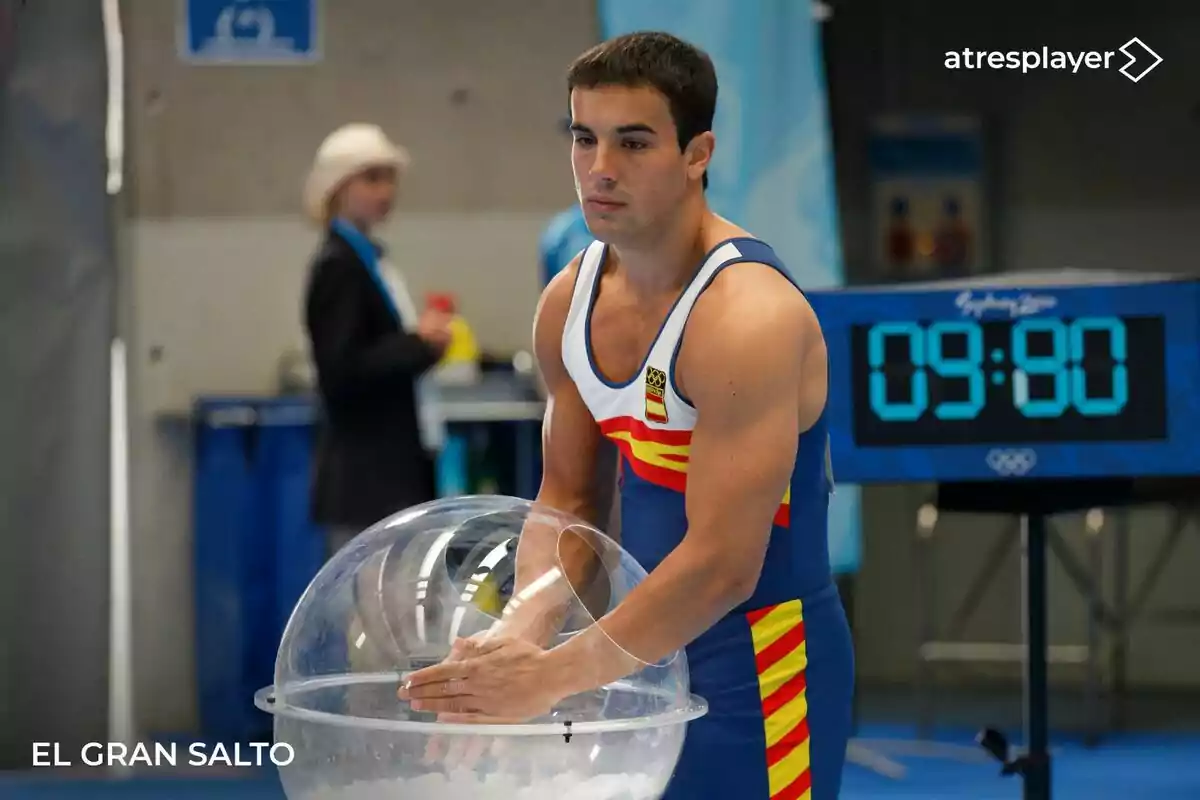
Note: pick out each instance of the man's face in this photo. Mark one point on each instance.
(629, 171)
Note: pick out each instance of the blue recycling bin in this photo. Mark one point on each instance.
(288, 435)
(255, 550)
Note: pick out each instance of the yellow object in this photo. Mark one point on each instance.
(463, 347)
(487, 596)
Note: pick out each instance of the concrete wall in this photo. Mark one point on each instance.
(1094, 173)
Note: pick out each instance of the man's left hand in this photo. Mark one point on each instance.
(493, 680)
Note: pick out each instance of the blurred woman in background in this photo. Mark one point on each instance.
(369, 344)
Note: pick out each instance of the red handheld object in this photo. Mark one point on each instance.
(441, 301)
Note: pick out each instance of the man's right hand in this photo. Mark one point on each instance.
(434, 328)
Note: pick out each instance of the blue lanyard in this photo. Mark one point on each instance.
(367, 252)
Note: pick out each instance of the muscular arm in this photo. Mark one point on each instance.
(578, 477)
(746, 386)
(579, 464)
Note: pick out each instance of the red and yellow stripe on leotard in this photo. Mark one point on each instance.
(661, 456)
(781, 658)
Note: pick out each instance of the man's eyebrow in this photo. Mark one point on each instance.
(635, 127)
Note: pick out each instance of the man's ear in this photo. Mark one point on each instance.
(699, 153)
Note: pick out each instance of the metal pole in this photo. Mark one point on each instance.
(1037, 733)
(927, 517)
(1093, 528)
(1120, 649)
(121, 725)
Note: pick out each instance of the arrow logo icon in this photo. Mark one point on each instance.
(1143, 50)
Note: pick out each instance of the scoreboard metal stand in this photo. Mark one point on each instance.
(1027, 394)
(1034, 503)
(946, 645)
(1108, 622)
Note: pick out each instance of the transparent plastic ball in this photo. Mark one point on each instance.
(395, 600)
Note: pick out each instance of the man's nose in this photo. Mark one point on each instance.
(604, 164)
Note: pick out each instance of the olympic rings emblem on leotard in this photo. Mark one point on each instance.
(656, 387)
(1012, 463)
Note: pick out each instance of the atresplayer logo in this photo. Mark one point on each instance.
(1141, 60)
(1138, 46)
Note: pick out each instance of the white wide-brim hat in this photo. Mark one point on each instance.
(346, 152)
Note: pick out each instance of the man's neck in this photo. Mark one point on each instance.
(666, 263)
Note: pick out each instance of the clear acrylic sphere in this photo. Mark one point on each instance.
(395, 600)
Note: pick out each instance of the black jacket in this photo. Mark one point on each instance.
(370, 462)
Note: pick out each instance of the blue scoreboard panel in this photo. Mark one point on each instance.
(1031, 375)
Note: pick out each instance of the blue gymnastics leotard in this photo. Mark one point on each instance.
(778, 671)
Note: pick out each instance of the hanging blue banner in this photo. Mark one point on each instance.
(772, 171)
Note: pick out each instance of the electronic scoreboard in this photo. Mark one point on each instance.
(1037, 375)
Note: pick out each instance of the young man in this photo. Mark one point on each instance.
(679, 337)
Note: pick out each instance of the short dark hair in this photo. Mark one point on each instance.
(679, 71)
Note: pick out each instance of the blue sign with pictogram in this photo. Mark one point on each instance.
(249, 32)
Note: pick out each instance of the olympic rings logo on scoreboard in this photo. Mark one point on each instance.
(1012, 463)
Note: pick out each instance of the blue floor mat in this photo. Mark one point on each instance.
(1150, 766)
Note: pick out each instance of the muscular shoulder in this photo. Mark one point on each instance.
(750, 324)
(752, 305)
